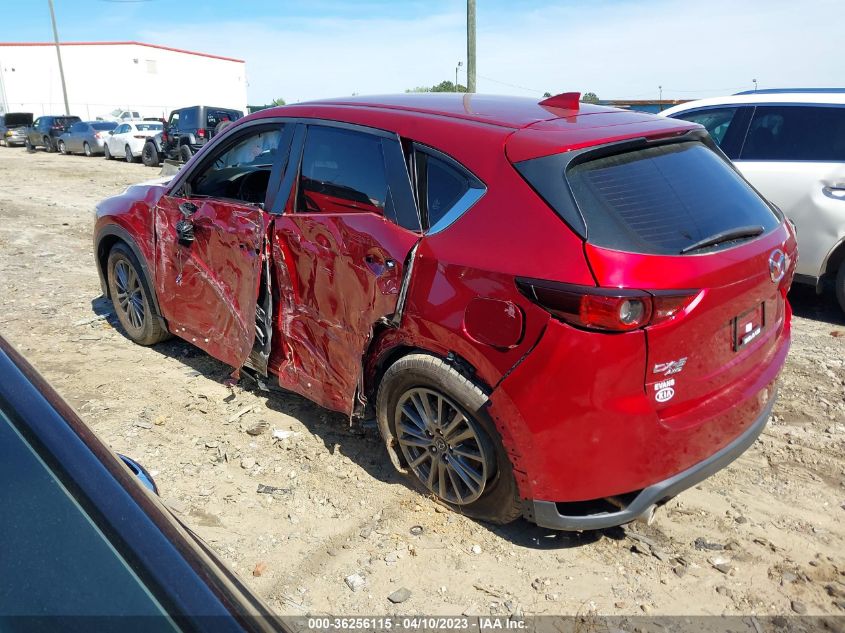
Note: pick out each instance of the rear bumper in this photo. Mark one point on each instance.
(546, 514)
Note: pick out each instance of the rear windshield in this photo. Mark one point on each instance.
(663, 199)
(104, 125)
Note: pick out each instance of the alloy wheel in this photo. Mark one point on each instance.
(130, 294)
(443, 446)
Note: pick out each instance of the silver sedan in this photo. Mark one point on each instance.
(86, 137)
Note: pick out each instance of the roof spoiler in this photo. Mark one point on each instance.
(566, 100)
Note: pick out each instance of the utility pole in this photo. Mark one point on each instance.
(660, 90)
(456, 74)
(755, 84)
(59, 55)
(470, 45)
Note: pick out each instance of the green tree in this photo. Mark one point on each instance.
(278, 102)
(589, 97)
(443, 86)
(546, 95)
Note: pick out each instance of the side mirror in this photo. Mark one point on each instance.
(187, 209)
(111, 132)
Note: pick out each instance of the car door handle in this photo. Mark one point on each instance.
(378, 265)
(834, 191)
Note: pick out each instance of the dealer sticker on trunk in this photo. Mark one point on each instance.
(664, 390)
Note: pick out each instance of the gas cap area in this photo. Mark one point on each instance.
(494, 322)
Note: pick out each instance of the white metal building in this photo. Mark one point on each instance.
(104, 76)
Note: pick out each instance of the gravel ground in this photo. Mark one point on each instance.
(343, 532)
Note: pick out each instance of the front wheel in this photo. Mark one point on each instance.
(185, 153)
(446, 438)
(130, 297)
(62, 148)
(48, 144)
(28, 145)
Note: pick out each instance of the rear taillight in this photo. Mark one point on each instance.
(201, 133)
(164, 137)
(610, 309)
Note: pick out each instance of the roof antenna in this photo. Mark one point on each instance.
(566, 100)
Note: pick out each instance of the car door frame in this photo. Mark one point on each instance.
(406, 210)
(214, 342)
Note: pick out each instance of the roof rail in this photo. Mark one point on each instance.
(772, 91)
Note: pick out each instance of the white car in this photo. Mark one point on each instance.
(790, 144)
(119, 116)
(127, 139)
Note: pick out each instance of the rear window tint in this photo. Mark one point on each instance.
(662, 199)
(105, 125)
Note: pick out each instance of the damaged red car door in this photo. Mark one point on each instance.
(210, 235)
(344, 238)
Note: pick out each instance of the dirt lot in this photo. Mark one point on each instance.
(765, 536)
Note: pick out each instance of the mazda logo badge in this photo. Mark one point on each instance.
(777, 265)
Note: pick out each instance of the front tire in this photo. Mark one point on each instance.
(446, 438)
(62, 147)
(185, 153)
(48, 144)
(130, 297)
(28, 145)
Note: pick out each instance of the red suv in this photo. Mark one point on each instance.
(555, 310)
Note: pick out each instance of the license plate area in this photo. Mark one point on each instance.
(748, 326)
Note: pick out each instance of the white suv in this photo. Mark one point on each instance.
(790, 144)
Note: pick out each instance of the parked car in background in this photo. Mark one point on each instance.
(128, 139)
(46, 130)
(121, 116)
(87, 542)
(86, 137)
(790, 144)
(555, 309)
(188, 129)
(13, 128)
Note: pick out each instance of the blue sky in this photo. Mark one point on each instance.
(615, 48)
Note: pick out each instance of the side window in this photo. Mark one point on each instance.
(342, 171)
(36, 124)
(174, 120)
(189, 119)
(443, 186)
(240, 170)
(715, 120)
(77, 127)
(122, 129)
(796, 133)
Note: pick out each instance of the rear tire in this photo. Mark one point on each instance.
(48, 144)
(840, 286)
(185, 153)
(130, 295)
(149, 155)
(28, 145)
(87, 149)
(127, 152)
(106, 152)
(440, 423)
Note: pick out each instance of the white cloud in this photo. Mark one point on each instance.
(616, 49)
